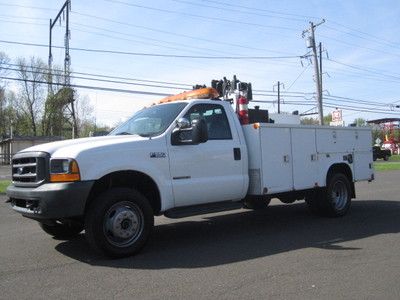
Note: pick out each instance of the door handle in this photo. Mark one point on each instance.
(237, 155)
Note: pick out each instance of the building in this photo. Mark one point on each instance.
(10, 146)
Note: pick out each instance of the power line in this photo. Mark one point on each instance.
(261, 9)
(23, 17)
(389, 44)
(195, 38)
(360, 75)
(358, 46)
(328, 104)
(228, 8)
(30, 7)
(101, 80)
(25, 23)
(363, 32)
(90, 87)
(200, 16)
(156, 54)
(114, 77)
(145, 38)
(360, 68)
(298, 77)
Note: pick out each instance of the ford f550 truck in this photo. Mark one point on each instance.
(180, 158)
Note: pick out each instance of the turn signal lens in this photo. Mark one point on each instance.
(64, 170)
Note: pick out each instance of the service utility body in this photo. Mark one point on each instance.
(189, 154)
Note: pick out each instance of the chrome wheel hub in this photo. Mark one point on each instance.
(339, 195)
(123, 224)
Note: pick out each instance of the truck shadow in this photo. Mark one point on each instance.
(245, 235)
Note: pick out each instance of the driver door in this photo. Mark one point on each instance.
(210, 171)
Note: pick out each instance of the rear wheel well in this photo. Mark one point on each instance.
(139, 181)
(345, 170)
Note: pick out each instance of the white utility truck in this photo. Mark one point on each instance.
(180, 158)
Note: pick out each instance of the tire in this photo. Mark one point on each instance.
(62, 230)
(386, 158)
(256, 202)
(119, 222)
(287, 200)
(334, 200)
(314, 200)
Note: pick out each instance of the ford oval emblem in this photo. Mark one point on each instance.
(20, 171)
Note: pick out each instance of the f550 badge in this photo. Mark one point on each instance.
(158, 155)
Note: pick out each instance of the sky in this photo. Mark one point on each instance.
(138, 39)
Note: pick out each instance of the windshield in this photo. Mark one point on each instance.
(150, 121)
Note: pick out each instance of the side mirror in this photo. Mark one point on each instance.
(193, 135)
(199, 131)
(183, 123)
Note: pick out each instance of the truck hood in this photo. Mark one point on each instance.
(71, 148)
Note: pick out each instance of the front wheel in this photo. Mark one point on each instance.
(119, 222)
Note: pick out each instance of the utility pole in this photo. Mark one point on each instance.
(279, 94)
(317, 66)
(64, 13)
(50, 78)
(320, 69)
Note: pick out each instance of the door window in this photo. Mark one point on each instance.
(215, 118)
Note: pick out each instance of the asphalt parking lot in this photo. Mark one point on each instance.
(283, 252)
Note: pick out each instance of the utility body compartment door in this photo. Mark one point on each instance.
(305, 159)
(277, 159)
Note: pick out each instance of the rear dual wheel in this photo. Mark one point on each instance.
(334, 200)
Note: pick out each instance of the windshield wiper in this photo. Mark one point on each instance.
(123, 133)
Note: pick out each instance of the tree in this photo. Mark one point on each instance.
(3, 103)
(327, 119)
(84, 112)
(309, 121)
(360, 122)
(53, 117)
(315, 121)
(4, 60)
(31, 97)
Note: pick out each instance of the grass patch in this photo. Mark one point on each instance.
(395, 158)
(387, 166)
(3, 186)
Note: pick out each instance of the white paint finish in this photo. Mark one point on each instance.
(325, 161)
(129, 155)
(277, 160)
(343, 140)
(305, 159)
(362, 163)
(272, 143)
(285, 118)
(206, 173)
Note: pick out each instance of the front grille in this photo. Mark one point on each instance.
(29, 169)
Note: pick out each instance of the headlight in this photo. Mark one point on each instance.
(64, 170)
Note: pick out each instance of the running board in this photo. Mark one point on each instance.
(207, 208)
